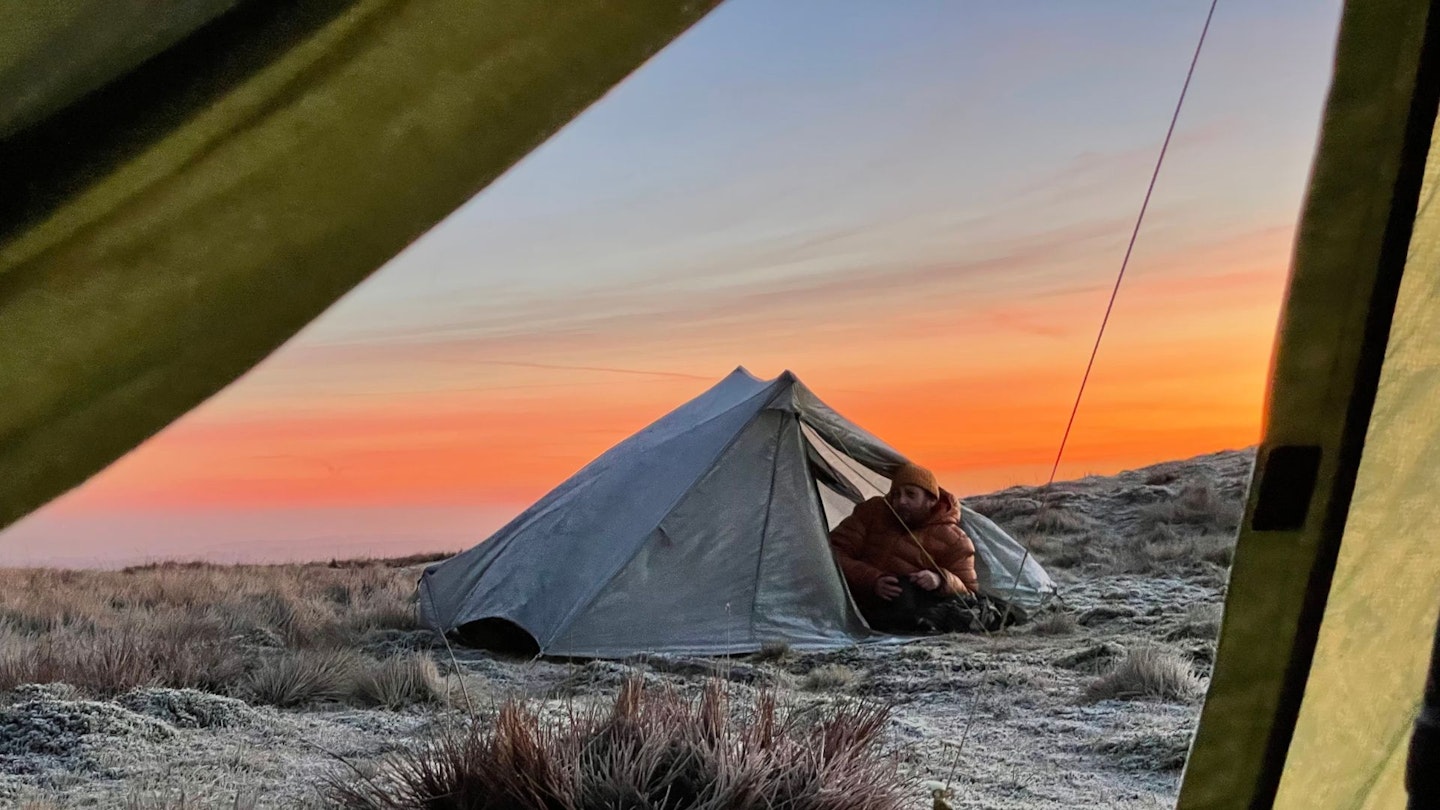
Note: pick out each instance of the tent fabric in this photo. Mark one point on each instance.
(57, 51)
(1334, 590)
(1350, 741)
(705, 533)
(1005, 568)
(183, 198)
(1349, 746)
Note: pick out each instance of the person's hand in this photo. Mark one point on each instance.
(927, 580)
(887, 587)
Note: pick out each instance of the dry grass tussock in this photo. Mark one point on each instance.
(1201, 620)
(240, 800)
(831, 677)
(286, 635)
(1194, 531)
(1051, 521)
(1058, 623)
(1065, 552)
(1200, 506)
(302, 677)
(1167, 520)
(1167, 552)
(652, 748)
(776, 653)
(403, 680)
(1149, 752)
(1191, 533)
(1148, 672)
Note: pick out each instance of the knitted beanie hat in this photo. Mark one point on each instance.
(915, 475)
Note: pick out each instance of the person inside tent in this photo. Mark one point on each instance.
(909, 564)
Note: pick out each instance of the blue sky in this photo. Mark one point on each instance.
(792, 139)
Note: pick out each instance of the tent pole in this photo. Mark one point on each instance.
(1422, 768)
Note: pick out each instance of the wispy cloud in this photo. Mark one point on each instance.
(1184, 368)
(1022, 286)
(599, 369)
(887, 291)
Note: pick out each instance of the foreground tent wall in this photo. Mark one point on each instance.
(1336, 582)
(189, 182)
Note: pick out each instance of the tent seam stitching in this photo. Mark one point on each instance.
(765, 527)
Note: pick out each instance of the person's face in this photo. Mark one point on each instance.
(911, 503)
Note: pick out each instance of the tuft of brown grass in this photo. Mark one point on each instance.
(1161, 476)
(1059, 623)
(776, 653)
(1172, 519)
(1148, 672)
(1201, 621)
(1152, 752)
(1198, 506)
(1064, 551)
(107, 665)
(652, 748)
(400, 681)
(303, 677)
(240, 801)
(1181, 536)
(409, 561)
(831, 678)
(236, 630)
(1051, 520)
(1006, 506)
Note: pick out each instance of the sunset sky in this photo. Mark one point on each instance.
(917, 207)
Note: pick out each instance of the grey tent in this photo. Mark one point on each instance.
(704, 533)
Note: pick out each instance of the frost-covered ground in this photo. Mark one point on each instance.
(1034, 717)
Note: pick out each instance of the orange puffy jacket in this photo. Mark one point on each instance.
(873, 543)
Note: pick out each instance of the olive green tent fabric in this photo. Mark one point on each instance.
(54, 52)
(163, 233)
(1358, 573)
(1374, 647)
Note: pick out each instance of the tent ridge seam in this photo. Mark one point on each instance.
(765, 527)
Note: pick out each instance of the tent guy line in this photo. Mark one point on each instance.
(1045, 501)
(1134, 236)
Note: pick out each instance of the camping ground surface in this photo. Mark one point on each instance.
(220, 686)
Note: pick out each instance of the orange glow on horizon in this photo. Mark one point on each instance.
(980, 393)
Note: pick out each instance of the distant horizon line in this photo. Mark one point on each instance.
(345, 548)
